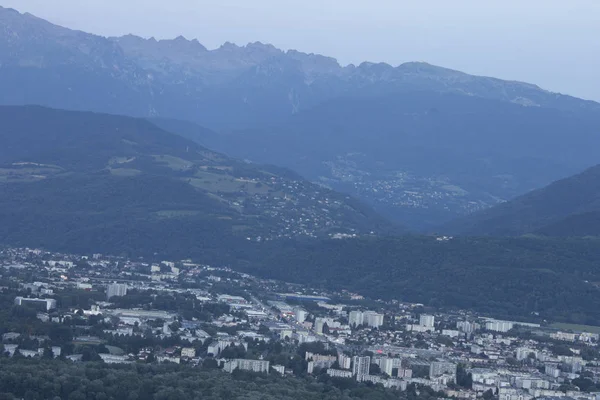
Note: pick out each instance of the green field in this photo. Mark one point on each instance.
(221, 183)
(576, 327)
(125, 171)
(177, 213)
(27, 172)
(172, 162)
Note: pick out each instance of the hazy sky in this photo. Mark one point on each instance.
(553, 43)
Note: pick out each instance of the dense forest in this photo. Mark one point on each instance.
(55, 379)
(543, 278)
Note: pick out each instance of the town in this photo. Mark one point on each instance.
(99, 308)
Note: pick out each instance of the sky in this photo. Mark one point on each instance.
(552, 43)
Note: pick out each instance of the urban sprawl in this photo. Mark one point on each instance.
(118, 310)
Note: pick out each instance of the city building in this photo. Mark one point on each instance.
(45, 304)
(285, 333)
(344, 361)
(338, 373)
(189, 352)
(467, 326)
(319, 357)
(323, 364)
(371, 318)
(116, 289)
(247, 365)
(361, 365)
(498, 326)
(279, 368)
(386, 365)
(114, 359)
(319, 324)
(427, 320)
(451, 333)
(524, 352)
(355, 318)
(439, 368)
(217, 347)
(299, 314)
(404, 373)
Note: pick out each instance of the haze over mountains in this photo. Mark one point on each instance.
(425, 157)
(569, 207)
(420, 143)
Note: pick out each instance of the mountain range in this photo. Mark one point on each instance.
(81, 181)
(421, 144)
(229, 87)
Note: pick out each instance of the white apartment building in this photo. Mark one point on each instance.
(279, 368)
(386, 365)
(48, 304)
(216, 348)
(524, 352)
(404, 373)
(427, 320)
(338, 373)
(319, 357)
(344, 361)
(467, 326)
(499, 326)
(361, 365)
(115, 289)
(371, 318)
(439, 368)
(355, 318)
(299, 314)
(247, 365)
(189, 352)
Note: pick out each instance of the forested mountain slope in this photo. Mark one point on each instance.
(568, 207)
(79, 181)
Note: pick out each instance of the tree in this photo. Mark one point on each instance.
(374, 369)
(89, 354)
(584, 384)
(175, 326)
(512, 361)
(445, 340)
(488, 395)
(210, 363)
(589, 353)
(561, 350)
(47, 354)
(263, 330)
(463, 378)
